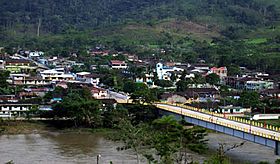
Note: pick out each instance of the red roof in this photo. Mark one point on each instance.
(220, 68)
(117, 62)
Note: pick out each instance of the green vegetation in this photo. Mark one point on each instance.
(243, 33)
(163, 141)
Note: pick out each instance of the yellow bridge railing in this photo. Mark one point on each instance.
(210, 119)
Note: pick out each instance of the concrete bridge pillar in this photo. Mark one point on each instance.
(277, 148)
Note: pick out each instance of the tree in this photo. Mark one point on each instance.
(212, 79)
(182, 85)
(83, 110)
(133, 137)
(166, 138)
(173, 77)
(4, 75)
(199, 79)
(233, 70)
(249, 99)
(164, 83)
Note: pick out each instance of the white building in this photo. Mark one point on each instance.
(13, 109)
(88, 78)
(164, 72)
(233, 109)
(118, 64)
(55, 75)
(258, 85)
(35, 54)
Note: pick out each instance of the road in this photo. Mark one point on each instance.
(222, 121)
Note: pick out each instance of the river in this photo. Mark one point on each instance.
(60, 148)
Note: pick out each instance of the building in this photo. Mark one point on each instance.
(233, 109)
(19, 66)
(14, 109)
(88, 78)
(34, 54)
(249, 83)
(118, 64)
(148, 79)
(221, 71)
(55, 75)
(2, 64)
(99, 93)
(24, 79)
(271, 93)
(259, 85)
(165, 72)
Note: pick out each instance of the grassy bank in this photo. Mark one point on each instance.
(23, 127)
(29, 127)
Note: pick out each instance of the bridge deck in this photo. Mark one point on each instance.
(220, 120)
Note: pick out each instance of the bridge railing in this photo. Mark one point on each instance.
(255, 123)
(219, 122)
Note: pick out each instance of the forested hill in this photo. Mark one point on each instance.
(57, 16)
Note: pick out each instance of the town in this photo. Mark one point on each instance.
(28, 76)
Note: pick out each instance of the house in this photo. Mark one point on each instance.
(24, 79)
(118, 64)
(131, 57)
(99, 93)
(259, 85)
(108, 102)
(55, 75)
(221, 71)
(177, 97)
(250, 83)
(8, 98)
(62, 84)
(201, 66)
(272, 93)
(19, 66)
(89, 78)
(2, 64)
(14, 109)
(233, 109)
(165, 72)
(147, 78)
(33, 54)
(202, 94)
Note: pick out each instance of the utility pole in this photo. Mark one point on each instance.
(97, 158)
(38, 27)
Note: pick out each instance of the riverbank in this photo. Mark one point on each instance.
(12, 127)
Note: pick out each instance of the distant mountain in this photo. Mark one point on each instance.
(53, 16)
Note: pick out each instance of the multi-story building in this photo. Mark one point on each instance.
(55, 75)
(221, 71)
(88, 78)
(14, 109)
(19, 66)
(165, 72)
(259, 85)
(99, 93)
(118, 64)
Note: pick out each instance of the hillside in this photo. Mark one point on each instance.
(223, 32)
(57, 16)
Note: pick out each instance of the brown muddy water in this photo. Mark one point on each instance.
(60, 148)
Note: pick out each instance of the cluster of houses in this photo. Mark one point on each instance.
(38, 75)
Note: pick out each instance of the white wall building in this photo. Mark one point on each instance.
(164, 72)
(55, 75)
(9, 110)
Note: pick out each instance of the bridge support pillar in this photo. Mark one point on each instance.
(277, 148)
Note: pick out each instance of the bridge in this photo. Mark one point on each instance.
(249, 130)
